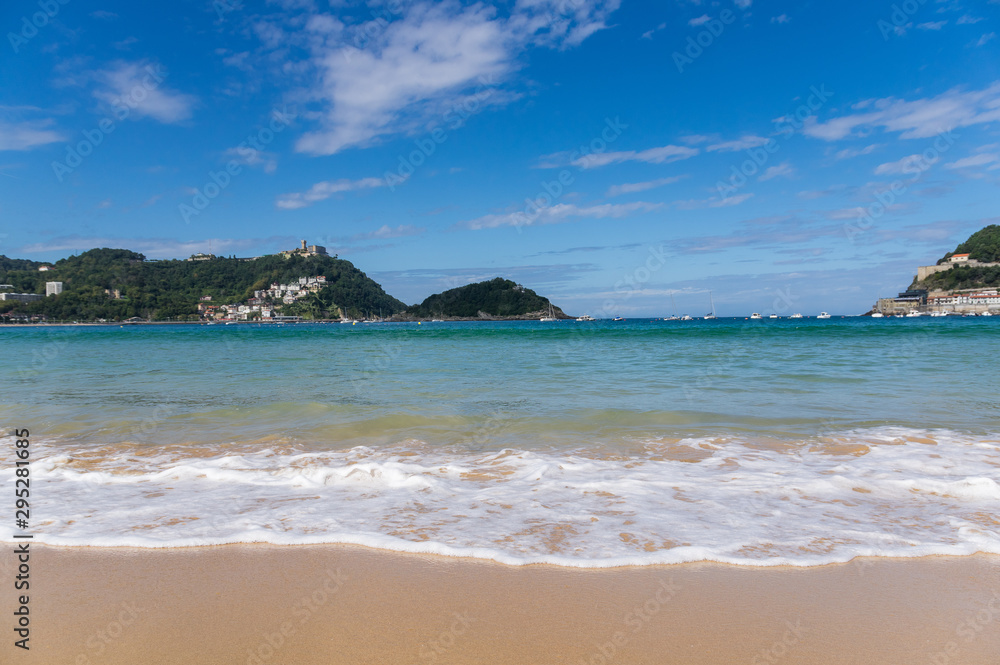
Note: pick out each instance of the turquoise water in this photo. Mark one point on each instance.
(556, 384)
(111, 407)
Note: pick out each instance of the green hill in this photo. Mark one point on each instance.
(982, 246)
(162, 290)
(497, 297)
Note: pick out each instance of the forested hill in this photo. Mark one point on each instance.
(171, 289)
(498, 297)
(982, 246)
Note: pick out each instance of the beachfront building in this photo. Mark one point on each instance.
(53, 288)
(973, 301)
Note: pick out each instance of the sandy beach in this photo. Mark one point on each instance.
(348, 604)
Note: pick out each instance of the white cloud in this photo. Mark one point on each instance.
(417, 67)
(781, 18)
(904, 165)
(386, 232)
(784, 169)
(920, 118)
(743, 143)
(268, 161)
(743, 4)
(27, 135)
(985, 38)
(139, 87)
(847, 153)
(560, 213)
(700, 20)
(969, 20)
(976, 160)
(932, 25)
(662, 155)
(324, 190)
(713, 202)
(635, 187)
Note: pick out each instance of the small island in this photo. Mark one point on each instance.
(497, 299)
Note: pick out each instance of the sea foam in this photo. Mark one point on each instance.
(877, 492)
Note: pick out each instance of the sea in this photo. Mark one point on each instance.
(591, 444)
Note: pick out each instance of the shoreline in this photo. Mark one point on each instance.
(309, 604)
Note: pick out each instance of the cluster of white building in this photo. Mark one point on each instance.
(289, 293)
(264, 301)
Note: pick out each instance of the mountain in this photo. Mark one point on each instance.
(496, 298)
(117, 284)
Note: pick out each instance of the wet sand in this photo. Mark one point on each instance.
(343, 604)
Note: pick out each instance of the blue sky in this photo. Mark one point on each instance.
(611, 155)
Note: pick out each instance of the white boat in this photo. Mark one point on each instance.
(913, 315)
(823, 315)
(687, 318)
(755, 315)
(877, 315)
(774, 316)
(618, 318)
(986, 314)
(550, 317)
(938, 314)
(712, 300)
(795, 316)
(586, 317)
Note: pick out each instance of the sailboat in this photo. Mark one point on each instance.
(673, 306)
(712, 300)
(551, 316)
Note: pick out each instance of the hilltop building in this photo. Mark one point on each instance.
(53, 288)
(306, 250)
